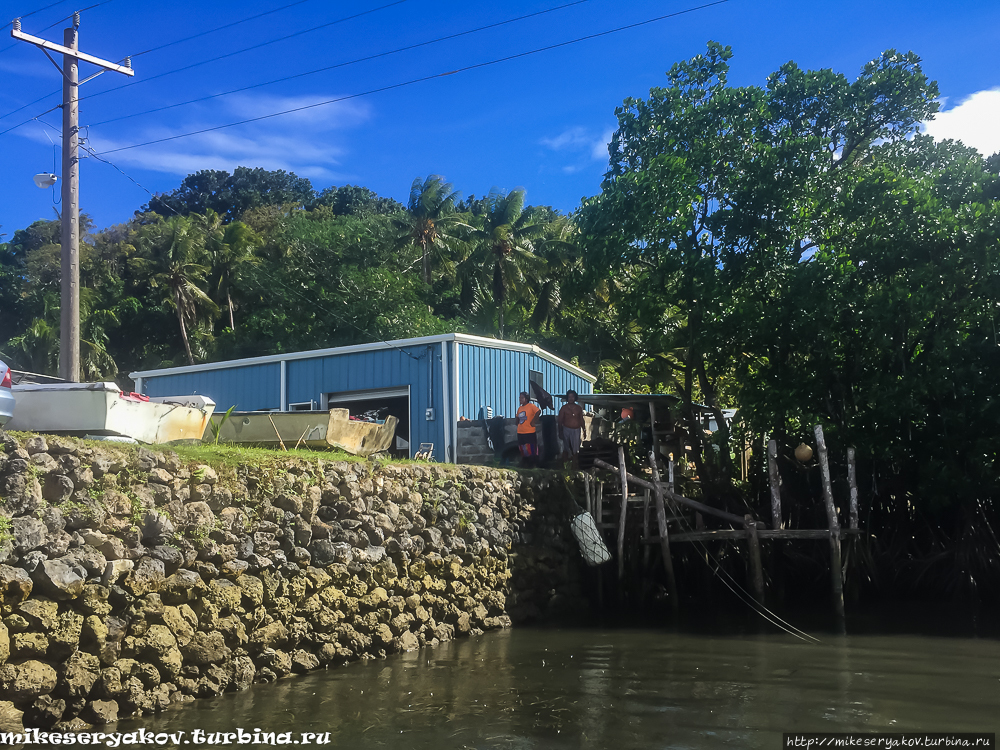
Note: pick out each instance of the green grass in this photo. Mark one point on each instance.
(239, 455)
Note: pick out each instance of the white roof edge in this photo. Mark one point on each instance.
(464, 338)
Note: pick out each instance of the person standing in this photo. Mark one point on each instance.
(527, 430)
(571, 425)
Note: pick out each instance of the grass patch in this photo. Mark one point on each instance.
(238, 455)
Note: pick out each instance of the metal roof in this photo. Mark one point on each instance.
(621, 400)
(462, 338)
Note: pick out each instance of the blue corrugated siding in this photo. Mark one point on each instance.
(495, 377)
(308, 379)
(248, 388)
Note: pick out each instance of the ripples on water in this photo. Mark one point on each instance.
(621, 689)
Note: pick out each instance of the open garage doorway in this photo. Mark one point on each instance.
(384, 401)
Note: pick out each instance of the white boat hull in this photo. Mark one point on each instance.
(100, 409)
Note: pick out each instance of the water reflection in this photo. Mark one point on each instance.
(623, 689)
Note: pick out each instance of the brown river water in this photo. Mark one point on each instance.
(622, 688)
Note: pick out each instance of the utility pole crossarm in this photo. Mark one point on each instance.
(84, 57)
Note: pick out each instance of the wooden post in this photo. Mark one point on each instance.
(836, 569)
(599, 503)
(756, 567)
(775, 480)
(661, 522)
(645, 514)
(670, 474)
(586, 492)
(647, 552)
(652, 429)
(621, 517)
(852, 480)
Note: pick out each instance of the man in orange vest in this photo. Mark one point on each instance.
(527, 435)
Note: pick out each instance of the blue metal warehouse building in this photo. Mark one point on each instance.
(428, 382)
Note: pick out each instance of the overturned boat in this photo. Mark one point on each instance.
(104, 410)
(272, 429)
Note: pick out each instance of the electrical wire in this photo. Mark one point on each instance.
(413, 81)
(30, 120)
(245, 49)
(344, 64)
(743, 595)
(28, 15)
(219, 28)
(162, 46)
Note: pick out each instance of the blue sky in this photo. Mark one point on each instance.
(540, 122)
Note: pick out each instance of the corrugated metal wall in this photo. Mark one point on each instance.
(249, 388)
(418, 367)
(495, 377)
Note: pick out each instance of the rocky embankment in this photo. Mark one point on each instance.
(131, 580)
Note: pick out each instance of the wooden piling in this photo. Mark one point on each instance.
(772, 474)
(647, 552)
(661, 522)
(599, 503)
(586, 492)
(652, 430)
(852, 480)
(836, 565)
(756, 567)
(621, 518)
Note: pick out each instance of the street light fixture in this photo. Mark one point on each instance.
(45, 180)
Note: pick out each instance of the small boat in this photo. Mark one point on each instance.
(103, 409)
(358, 437)
(313, 429)
(271, 429)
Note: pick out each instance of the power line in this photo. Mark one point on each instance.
(422, 79)
(32, 119)
(344, 64)
(220, 28)
(28, 15)
(246, 49)
(154, 49)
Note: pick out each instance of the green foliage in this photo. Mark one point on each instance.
(217, 426)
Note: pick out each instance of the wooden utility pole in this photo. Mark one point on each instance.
(69, 331)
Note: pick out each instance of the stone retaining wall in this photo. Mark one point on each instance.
(132, 579)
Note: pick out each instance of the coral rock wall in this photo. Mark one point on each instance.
(133, 579)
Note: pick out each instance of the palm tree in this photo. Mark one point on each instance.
(558, 248)
(174, 258)
(230, 248)
(503, 255)
(430, 221)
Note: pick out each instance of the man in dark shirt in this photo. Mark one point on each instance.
(571, 425)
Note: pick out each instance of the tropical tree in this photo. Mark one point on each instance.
(232, 195)
(229, 248)
(715, 192)
(174, 262)
(503, 258)
(430, 222)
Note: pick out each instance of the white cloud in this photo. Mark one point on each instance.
(308, 142)
(975, 122)
(579, 139)
(581, 146)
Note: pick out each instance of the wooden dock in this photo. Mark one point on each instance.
(658, 498)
